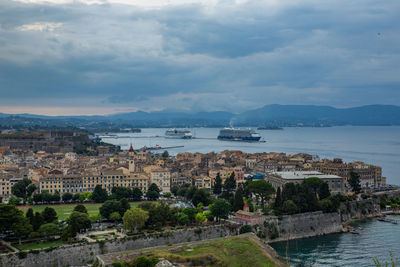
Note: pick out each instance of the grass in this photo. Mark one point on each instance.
(37, 245)
(237, 251)
(233, 251)
(65, 210)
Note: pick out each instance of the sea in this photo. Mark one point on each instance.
(378, 145)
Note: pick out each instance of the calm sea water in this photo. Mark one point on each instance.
(374, 145)
(376, 239)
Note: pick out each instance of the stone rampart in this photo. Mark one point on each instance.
(82, 254)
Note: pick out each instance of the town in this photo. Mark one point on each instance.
(63, 188)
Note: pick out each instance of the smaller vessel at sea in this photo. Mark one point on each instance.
(178, 133)
(236, 134)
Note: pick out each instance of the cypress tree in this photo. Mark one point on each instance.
(218, 185)
(238, 202)
(278, 199)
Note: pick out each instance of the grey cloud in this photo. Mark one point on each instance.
(234, 56)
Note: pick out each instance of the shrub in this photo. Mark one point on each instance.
(245, 229)
(22, 254)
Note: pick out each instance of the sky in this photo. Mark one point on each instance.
(72, 57)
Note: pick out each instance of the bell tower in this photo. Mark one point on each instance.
(131, 159)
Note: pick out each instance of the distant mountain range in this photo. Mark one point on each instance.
(269, 115)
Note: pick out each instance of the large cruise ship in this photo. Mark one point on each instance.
(235, 134)
(177, 133)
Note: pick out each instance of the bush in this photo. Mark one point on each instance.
(245, 229)
(22, 254)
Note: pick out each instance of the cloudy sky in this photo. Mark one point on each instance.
(107, 56)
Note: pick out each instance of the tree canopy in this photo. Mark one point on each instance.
(99, 194)
(134, 219)
(261, 189)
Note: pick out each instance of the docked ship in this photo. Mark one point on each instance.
(235, 134)
(177, 133)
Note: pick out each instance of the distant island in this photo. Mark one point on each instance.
(269, 128)
(270, 115)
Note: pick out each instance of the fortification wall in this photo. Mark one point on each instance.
(81, 254)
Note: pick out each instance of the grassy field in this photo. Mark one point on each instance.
(232, 251)
(235, 251)
(37, 245)
(64, 210)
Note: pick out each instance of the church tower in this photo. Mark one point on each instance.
(131, 159)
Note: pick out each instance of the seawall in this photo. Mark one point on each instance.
(82, 254)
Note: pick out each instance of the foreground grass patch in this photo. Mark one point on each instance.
(233, 251)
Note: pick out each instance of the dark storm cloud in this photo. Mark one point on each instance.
(195, 56)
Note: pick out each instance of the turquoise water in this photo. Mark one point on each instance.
(376, 239)
(371, 144)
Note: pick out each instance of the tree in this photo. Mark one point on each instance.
(76, 197)
(354, 182)
(13, 219)
(191, 213)
(314, 183)
(201, 196)
(230, 183)
(174, 190)
(183, 218)
(134, 219)
(37, 221)
(115, 216)
(30, 189)
(238, 202)
(200, 217)
(19, 189)
(190, 192)
(30, 215)
(124, 206)
(109, 207)
(261, 189)
(99, 194)
(46, 197)
(278, 198)
(137, 194)
(14, 200)
(218, 185)
(22, 228)
(37, 198)
(79, 221)
(323, 191)
(220, 208)
(152, 195)
(120, 192)
(165, 154)
(81, 208)
(49, 215)
(154, 187)
(289, 207)
(48, 229)
(56, 197)
(67, 196)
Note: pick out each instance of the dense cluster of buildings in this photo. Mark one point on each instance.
(69, 172)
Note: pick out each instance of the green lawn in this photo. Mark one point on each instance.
(236, 251)
(64, 210)
(230, 251)
(37, 245)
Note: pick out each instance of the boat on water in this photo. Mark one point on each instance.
(236, 134)
(178, 133)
